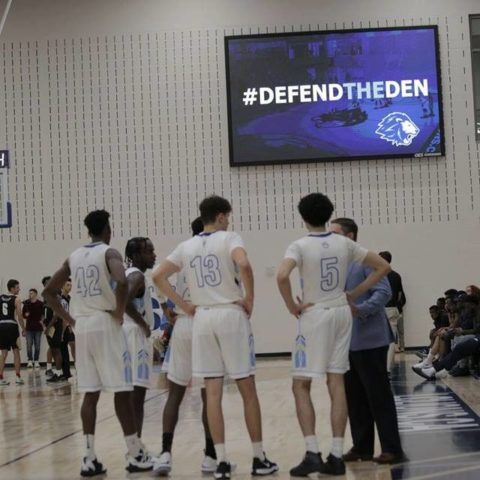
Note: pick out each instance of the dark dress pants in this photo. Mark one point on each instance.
(370, 402)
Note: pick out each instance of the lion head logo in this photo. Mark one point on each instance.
(397, 128)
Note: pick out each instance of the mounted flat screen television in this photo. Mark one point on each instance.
(336, 95)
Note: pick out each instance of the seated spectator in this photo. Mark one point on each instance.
(473, 290)
(451, 293)
(440, 320)
(439, 368)
(441, 303)
(467, 327)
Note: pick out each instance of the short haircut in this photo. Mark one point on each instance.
(12, 283)
(213, 206)
(434, 307)
(197, 226)
(315, 209)
(46, 279)
(135, 245)
(450, 293)
(348, 225)
(96, 221)
(34, 290)
(386, 255)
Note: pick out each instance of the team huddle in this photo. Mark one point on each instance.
(110, 311)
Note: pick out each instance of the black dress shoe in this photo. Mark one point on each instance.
(390, 458)
(353, 456)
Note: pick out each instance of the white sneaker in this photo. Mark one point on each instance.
(90, 468)
(209, 465)
(141, 463)
(422, 364)
(163, 465)
(4, 383)
(29, 365)
(36, 365)
(441, 374)
(19, 380)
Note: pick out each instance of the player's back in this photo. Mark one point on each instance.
(92, 284)
(7, 308)
(210, 273)
(323, 260)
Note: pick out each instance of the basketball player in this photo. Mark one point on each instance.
(138, 320)
(178, 365)
(222, 337)
(10, 317)
(324, 323)
(103, 360)
(47, 317)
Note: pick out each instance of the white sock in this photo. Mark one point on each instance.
(220, 451)
(430, 358)
(90, 446)
(258, 451)
(49, 366)
(57, 372)
(337, 447)
(311, 443)
(133, 444)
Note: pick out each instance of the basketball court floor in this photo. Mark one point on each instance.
(41, 438)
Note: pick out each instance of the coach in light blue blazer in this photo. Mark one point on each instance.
(369, 394)
(371, 328)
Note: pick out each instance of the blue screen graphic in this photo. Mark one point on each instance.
(322, 96)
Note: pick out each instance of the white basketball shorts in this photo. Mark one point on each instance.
(141, 352)
(323, 341)
(222, 342)
(103, 360)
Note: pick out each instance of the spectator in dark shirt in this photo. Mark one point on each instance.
(33, 313)
(394, 311)
(441, 303)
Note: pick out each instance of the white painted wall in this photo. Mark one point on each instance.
(67, 68)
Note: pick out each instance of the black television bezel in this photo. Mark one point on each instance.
(435, 29)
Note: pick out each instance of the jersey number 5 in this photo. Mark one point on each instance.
(207, 270)
(329, 273)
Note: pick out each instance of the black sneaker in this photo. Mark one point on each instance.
(53, 379)
(263, 467)
(223, 471)
(460, 372)
(310, 463)
(333, 466)
(90, 468)
(49, 373)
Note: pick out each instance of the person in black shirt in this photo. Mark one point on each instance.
(394, 310)
(10, 317)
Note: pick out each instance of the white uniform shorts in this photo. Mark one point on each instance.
(141, 352)
(178, 359)
(323, 341)
(103, 360)
(222, 342)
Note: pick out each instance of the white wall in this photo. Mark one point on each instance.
(122, 105)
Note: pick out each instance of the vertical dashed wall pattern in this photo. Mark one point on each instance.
(137, 124)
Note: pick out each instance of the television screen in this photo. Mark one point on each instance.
(325, 96)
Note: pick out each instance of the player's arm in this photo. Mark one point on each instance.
(50, 294)
(239, 256)
(380, 268)
(19, 311)
(160, 278)
(136, 285)
(117, 271)
(285, 286)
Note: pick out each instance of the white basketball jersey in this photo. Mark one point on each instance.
(323, 260)
(92, 288)
(181, 287)
(143, 304)
(209, 271)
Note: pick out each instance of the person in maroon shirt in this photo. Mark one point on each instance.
(33, 314)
